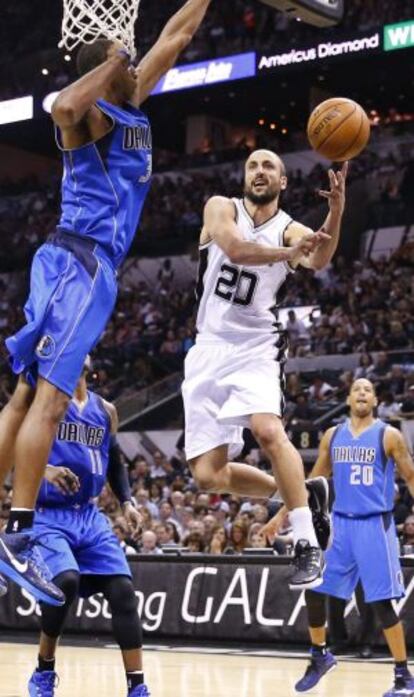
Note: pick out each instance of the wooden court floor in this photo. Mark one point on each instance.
(93, 672)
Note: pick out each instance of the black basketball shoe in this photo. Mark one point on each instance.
(318, 490)
(308, 567)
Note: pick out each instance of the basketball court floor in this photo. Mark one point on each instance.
(172, 672)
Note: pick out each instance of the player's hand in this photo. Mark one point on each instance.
(133, 519)
(336, 194)
(307, 244)
(66, 481)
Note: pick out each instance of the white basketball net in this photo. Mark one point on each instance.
(84, 21)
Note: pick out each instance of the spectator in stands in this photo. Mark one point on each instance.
(381, 368)
(388, 408)
(122, 535)
(295, 327)
(218, 541)
(194, 542)
(320, 390)
(238, 538)
(407, 414)
(149, 543)
(365, 366)
(408, 531)
(161, 468)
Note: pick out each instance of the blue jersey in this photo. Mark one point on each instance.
(82, 445)
(105, 183)
(363, 475)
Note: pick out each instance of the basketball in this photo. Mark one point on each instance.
(338, 129)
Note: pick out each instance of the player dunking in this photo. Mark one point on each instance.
(361, 454)
(81, 550)
(234, 373)
(106, 143)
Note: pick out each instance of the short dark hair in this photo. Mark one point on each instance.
(91, 55)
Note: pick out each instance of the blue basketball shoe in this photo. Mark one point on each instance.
(42, 684)
(139, 691)
(22, 562)
(403, 684)
(320, 664)
(3, 586)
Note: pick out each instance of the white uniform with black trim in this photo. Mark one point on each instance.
(235, 368)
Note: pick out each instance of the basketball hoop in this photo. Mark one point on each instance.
(84, 21)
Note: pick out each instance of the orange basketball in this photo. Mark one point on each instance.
(338, 129)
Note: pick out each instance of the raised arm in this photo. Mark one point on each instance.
(396, 447)
(323, 254)
(174, 38)
(76, 101)
(220, 226)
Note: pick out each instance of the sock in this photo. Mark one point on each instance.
(401, 666)
(318, 649)
(45, 664)
(20, 519)
(302, 526)
(134, 678)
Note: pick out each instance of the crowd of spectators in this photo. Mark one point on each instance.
(230, 27)
(173, 210)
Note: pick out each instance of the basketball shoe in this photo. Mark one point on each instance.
(403, 684)
(318, 490)
(320, 664)
(309, 565)
(43, 683)
(22, 562)
(139, 691)
(3, 586)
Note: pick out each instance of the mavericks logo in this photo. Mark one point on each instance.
(46, 347)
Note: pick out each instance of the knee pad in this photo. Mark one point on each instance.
(120, 594)
(68, 582)
(385, 612)
(53, 618)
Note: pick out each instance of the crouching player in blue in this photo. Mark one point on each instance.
(79, 546)
(362, 454)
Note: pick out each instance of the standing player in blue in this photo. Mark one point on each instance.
(81, 550)
(106, 143)
(362, 455)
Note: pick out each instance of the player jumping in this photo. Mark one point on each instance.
(81, 550)
(107, 152)
(361, 454)
(234, 374)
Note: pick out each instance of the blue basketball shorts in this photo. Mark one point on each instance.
(79, 538)
(365, 549)
(73, 291)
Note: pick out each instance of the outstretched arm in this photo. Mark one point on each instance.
(321, 256)
(75, 102)
(175, 36)
(220, 226)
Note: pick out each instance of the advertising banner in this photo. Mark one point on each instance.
(198, 597)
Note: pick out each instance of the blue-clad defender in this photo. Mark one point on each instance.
(362, 454)
(106, 143)
(80, 548)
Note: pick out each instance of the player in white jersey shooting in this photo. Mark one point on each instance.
(234, 374)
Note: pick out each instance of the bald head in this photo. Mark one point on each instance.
(265, 177)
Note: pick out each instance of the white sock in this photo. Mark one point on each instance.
(302, 526)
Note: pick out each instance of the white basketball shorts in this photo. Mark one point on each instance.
(224, 385)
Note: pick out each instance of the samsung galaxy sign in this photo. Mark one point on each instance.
(321, 51)
(207, 73)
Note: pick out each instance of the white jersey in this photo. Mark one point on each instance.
(236, 303)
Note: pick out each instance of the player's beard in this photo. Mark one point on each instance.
(268, 196)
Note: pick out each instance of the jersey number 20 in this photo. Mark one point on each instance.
(362, 474)
(236, 286)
